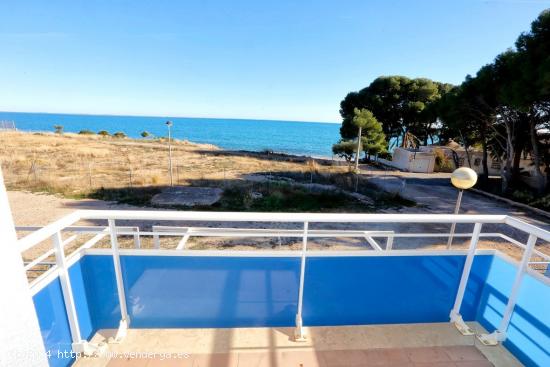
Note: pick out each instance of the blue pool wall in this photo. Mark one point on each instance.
(198, 291)
(54, 325)
(528, 336)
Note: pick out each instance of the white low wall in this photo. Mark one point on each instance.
(20, 339)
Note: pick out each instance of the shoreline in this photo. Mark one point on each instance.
(220, 148)
(311, 138)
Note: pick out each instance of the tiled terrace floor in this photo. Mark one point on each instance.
(411, 345)
(457, 356)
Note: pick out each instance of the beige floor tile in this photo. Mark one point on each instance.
(386, 357)
(301, 359)
(474, 364)
(344, 358)
(464, 353)
(382, 345)
(265, 359)
(171, 362)
(128, 362)
(215, 360)
(427, 354)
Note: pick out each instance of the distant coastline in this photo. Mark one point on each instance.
(313, 139)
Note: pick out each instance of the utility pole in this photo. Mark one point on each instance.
(169, 124)
(358, 151)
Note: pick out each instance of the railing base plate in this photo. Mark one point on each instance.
(492, 339)
(462, 327)
(300, 337)
(121, 333)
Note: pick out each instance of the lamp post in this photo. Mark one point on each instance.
(169, 124)
(462, 178)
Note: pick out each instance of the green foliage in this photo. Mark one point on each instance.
(400, 104)
(139, 196)
(145, 134)
(504, 105)
(288, 198)
(86, 132)
(119, 134)
(278, 197)
(103, 133)
(373, 139)
(345, 149)
(502, 108)
(58, 129)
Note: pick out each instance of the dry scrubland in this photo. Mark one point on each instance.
(73, 164)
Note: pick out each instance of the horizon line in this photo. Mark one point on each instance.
(168, 117)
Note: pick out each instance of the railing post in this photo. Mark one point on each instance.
(78, 345)
(137, 239)
(389, 242)
(66, 289)
(156, 240)
(455, 312)
(299, 332)
(499, 334)
(125, 320)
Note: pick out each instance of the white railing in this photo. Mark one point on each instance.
(304, 231)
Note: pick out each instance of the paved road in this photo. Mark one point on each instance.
(434, 194)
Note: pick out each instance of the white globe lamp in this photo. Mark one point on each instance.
(464, 178)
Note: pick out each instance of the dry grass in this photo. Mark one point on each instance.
(75, 165)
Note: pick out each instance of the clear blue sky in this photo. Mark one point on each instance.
(250, 59)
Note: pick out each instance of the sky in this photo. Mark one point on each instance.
(286, 60)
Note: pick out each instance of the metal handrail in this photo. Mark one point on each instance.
(55, 229)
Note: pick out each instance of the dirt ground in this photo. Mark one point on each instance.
(76, 164)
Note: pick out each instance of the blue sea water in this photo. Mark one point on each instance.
(302, 138)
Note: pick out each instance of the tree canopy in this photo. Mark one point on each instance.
(504, 108)
(398, 103)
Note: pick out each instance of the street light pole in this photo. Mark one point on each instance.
(169, 124)
(453, 226)
(462, 178)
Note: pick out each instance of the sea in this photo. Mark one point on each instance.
(292, 137)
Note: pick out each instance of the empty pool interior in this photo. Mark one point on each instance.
(347, 300)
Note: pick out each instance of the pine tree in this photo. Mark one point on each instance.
(372, 138)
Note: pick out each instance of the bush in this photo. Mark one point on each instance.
(542, 203)
(119, 134)
(58, 129)
(385, 155)
(523, 196)
(145, 134)
(103, 133)
(442, 163)
(345, 149)
(86, 132)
